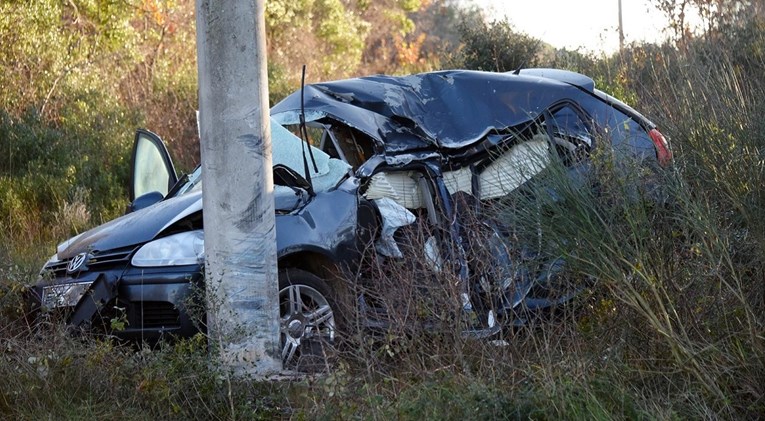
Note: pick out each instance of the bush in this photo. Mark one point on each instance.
(494, 46)
(58, 178)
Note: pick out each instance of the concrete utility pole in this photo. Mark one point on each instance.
(240, 240)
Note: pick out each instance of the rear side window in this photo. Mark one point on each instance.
(627, 136)
(571, 135)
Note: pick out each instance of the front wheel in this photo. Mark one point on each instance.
(307, 324)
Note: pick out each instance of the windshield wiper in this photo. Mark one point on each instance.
(177, 186)
(304, 136)
(185, 183)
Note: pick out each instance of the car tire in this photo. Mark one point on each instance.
(308, 323)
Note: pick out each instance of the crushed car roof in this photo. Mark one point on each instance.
(446, 109)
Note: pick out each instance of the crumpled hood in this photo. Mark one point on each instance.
(134, 228)
(447, 109)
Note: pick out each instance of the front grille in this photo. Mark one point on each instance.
(158, 314)
(99, 260)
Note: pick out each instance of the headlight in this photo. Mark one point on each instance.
(186, 248)
(65, 295)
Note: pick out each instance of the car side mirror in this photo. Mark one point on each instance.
(145, 200)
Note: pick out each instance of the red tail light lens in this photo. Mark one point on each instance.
(662, 147)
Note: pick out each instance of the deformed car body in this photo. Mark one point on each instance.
(393, 150)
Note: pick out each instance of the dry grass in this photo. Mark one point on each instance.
(671, 327)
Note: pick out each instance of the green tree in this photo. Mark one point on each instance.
(48, 45)
(493, 46)
(337, 38)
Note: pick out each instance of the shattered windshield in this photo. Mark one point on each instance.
(287, 149)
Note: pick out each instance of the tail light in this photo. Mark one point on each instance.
(662, 147)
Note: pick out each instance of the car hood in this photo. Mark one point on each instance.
(144, 225)
(134, 228)
(445, 110)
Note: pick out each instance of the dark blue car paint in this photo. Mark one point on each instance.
(435, 121)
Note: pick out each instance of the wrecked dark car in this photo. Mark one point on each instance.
(391, 152)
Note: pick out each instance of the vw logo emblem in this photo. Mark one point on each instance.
(77, 263)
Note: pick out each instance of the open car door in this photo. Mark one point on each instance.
(152, 173)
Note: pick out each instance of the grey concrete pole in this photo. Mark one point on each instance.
(240, 241)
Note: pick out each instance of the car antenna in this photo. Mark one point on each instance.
(304, 133)
(518, 70)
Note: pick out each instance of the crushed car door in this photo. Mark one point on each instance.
(152, 170)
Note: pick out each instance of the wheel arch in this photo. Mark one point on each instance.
(311, 261)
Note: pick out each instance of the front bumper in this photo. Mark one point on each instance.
(141, 304)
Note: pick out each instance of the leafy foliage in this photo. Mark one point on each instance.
(50, 44)
(494, 46)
